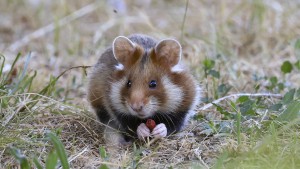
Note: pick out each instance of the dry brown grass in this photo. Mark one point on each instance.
(251, 37)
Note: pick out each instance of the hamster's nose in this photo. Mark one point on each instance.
(137, 106)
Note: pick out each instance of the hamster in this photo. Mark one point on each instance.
(140, 78)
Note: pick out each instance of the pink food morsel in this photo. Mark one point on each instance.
(150, 124)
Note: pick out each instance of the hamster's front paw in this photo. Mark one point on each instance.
(143, 131)
(159, 131)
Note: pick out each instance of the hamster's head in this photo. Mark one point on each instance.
(143, 81)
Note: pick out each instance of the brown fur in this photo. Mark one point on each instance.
(142, 63)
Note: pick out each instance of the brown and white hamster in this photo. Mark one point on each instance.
(139, 78)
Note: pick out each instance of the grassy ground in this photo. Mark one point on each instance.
(233, 47)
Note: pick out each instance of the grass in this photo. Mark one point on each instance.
(276, 149)
(232, 47)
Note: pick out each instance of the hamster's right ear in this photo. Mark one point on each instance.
(125, 51)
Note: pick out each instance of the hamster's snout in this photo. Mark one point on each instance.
(137, 101)
(137, 106)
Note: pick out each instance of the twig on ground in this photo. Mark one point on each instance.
(183, 22)
(74, 67)
(239, 95)
(72, 158)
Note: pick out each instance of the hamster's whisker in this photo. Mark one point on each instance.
(167, 118)
(96, 98)
(174, 115)
(157, 115)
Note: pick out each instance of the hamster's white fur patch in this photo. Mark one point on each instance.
(152, 106)
(196, 101)
(115, 95)
(174, 94)
(177, 68)
(119, 66)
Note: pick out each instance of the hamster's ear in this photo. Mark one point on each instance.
(125, 51)
(167, 53)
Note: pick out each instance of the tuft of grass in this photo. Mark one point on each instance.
(278, 148)
(272, 144)
(52, 162)
(20, 106)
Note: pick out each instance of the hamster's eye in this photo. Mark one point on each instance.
(152, 84)
(129, 83)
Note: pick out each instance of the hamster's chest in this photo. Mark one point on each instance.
(130, 123)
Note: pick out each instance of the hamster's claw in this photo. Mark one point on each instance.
(159, 131)
(143, 131)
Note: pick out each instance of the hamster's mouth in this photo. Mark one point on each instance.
(142, 116)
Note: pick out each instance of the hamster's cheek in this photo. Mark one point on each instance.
(152, 106)
(115, 95)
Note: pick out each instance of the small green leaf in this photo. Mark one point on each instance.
(208, 64)
(198, 116)
(51, 160)
(102, 152)
(103, 166)
(223, 89)
(242, 99)
(280, 86)
(286, 67)
(246, 108)
(273, 80)
(275, 107)
(223, 111)
(292, 112)
(214, 73)
(297, 64)
(289, 96)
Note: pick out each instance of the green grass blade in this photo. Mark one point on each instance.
(238, 121)
(16, 87)
(24, 163)
(102, 152)
(2, 66)
(51, 160)
(37, 163)
(12, 66)
(60, 150)
(28, 83)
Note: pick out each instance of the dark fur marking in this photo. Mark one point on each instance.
(103, 115)
(173, 122)
(144, 60)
